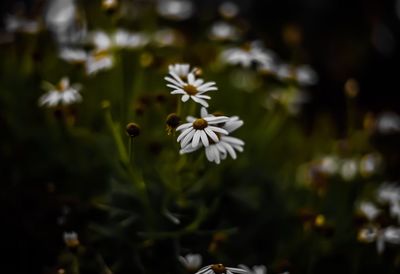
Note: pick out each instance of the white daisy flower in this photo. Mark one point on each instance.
(257, 269)
(191, 262)
(191, 89)
(64, 94)
(201, 130)
(227, 144)
(181, 70)
(218, 151)
(98, 61)
(220, 269)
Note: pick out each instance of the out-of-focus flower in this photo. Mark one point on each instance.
(228, 9)
(200, 130)
(125, 39)
(369, 210)
(257, 269)
(388, 122)
(291, 99)
(304, 75)
(168, 37)
(15, 23)
(73, 55)
(348, 169)
(175, 9)
(220, 269)
(71, 239)
(109, 5)
(63, 94)
(191, 262)
(222, 31)
(63, 19)
(252, 53)
(351, 88)
(98, 61)
(329, 165)
(382, 236)
(389, 193)
(120, 39)
(191, 89)
(369, 164)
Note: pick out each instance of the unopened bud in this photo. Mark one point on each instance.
(133, 130)
(173, 120)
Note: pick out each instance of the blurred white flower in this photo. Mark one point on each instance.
(15, 23)
(98, 61)
(168, 37)
(388, 122)
(389, 192)
(219, 269)
(191, 262)
(130, 40)
(390, 234)
(73, 55)
(175, 9)
(252, 53)
(228, 9)
(191, 89)
(71, 239)
(200, 130)
(369, 164)
(381, 236)
(329, 165)
(369, 210)
(63, 94)
(304, 75)
(257, 269)
(64, 20)
(349, 169)
(222, 31)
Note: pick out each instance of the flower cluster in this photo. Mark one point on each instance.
(208, 131)
(375, 230)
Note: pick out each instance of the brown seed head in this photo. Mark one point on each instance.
(200, 124)
(190, 89)
(173, 120)
(218, 268)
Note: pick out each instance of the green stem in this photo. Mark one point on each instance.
(131, 150)
(179, 107)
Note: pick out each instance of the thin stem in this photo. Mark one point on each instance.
(131, 150)
(179, 107)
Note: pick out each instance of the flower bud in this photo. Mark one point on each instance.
(133, 130)
(173, 120)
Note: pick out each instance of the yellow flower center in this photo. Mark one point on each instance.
(200, 124)
(190, 89)
(218, 268)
